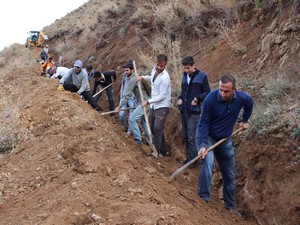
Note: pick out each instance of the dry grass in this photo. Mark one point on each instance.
(9, 136)
(230, 35)
(163, 44)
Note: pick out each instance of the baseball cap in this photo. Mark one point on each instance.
(78, 63)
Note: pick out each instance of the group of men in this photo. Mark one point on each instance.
(206, 116)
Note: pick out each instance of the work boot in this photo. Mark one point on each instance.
(234, 212)
(139, 142)
(99, 109)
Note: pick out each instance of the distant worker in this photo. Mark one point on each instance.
(221, 108)
(43, 56)
(78, 83)
(46, 49)
(58, 72)
(46, 66)
(90, 72)
(159, 102)
(103, 80)
(60, 60)
(131, 100)
(194, 88)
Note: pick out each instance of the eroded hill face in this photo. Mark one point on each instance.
(71, 162)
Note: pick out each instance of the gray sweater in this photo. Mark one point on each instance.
(132, 89)
(80, 80)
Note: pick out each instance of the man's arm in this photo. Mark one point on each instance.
(64, 78)
(95, 87)
(206, 89)
(202, 131)
(247, 108)
(115, 76)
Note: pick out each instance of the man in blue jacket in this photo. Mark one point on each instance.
(194, 88)
(220, 110)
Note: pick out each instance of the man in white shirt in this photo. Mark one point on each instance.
(160, 101)
(58, 72)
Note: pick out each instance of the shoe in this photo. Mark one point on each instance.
(146, 142)
(152, 154)
(139, 142)
(166, 154)
(128, 134)
(99, 109)
(234, 212)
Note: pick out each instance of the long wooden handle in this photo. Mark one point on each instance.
(102, 90)
(179, 170)
(155, 153)
(110, 112)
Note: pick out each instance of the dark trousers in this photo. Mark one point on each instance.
(189, 126)
(157, 125)
(86, 94)
(110, 96)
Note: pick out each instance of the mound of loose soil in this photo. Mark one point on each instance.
(74, 165)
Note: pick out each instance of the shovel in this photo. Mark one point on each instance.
(179, 170)
(155, 153)
(102, 90)
(110, 112)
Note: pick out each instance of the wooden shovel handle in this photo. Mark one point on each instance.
(155, 153)
(102, 90)
(179, 170)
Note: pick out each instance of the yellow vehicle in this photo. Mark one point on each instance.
(35, 38)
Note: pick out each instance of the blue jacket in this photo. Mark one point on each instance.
(218, 118)
(197, 88)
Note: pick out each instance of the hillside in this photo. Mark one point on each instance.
(64, 163)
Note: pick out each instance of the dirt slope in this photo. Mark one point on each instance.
(75, 163)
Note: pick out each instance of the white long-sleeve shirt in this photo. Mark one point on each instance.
(161, 90)
(60, 71)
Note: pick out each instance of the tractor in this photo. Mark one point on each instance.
(35, 39)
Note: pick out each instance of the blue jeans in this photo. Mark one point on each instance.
(225, 157)
(122, 114)
(138, 114)
(189, 126)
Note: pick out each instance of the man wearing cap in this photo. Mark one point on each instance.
(104, 79)
(130, 101)
(78, 83)
(138, 112)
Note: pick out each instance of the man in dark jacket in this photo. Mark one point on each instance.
(194, 88)
(104, 79)
(221, 109)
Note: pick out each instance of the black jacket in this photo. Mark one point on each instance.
(197, 88)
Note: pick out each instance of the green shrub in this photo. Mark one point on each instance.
(264, 117)
(276, 88)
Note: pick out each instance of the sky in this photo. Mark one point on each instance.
(17, 17)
